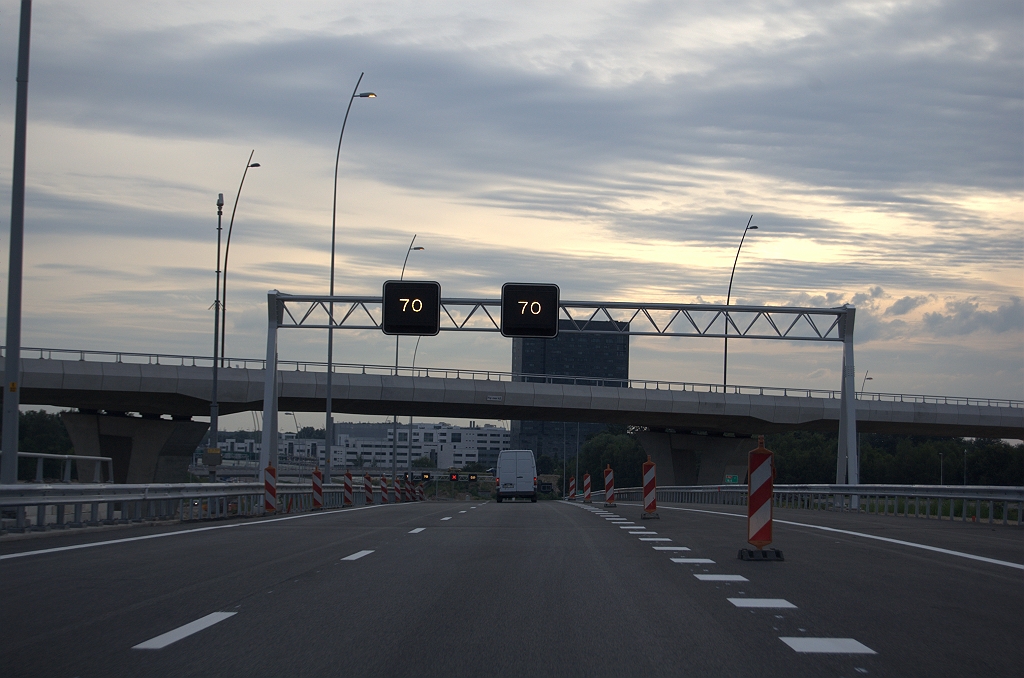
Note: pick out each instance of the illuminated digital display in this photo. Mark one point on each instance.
(412, 307)
(529, 310)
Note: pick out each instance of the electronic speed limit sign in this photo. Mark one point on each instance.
(412, 307)
(529, 310)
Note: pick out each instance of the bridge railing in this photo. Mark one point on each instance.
(970, 503)
(492, 375)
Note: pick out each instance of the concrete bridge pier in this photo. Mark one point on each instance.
(144, 449)
(688, 459)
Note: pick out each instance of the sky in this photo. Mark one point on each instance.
(614, 148)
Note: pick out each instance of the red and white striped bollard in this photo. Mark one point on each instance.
(347, 495)
(650, 490)
(586, 488)
(760, 492)
(367, 489)
(572, 488)
(269, 489)
(318, 489)
(609, 487)
(384, 490)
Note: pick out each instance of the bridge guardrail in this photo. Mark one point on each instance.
(67, 460)
(491, 375)
(972, 503)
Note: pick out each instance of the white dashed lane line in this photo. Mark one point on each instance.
(721, 577)
(671, 548)
(642, 532)
(357, 555)
(655, 539)
(446, 518)
(762, 602)
(629, 526)
(693, 561)
(461, 511)
(828, 645)
(417, 530)
(173, 636)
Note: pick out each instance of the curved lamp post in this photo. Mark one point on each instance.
(728, 297)
(227, 249)
(212, 448)
(329, 424)
(394, 438)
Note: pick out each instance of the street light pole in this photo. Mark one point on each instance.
(212, 449)
(862, 382)
(227, 249)
(394, 438)
(728, 297)
(12, 361)
(329, 424)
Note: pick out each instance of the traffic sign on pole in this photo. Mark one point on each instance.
(411, 308)
(529, 310)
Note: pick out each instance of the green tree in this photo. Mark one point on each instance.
(423, 462)
(620, 450)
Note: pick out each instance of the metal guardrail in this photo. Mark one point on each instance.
(491, 375)
(41, 507)
(67, 460)
(970, 503)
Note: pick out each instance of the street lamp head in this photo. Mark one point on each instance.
(220, 200)
(367, 95)
(417, 249)
(255, 164)
(751, 228)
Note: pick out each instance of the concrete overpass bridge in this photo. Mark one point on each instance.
(696, 431)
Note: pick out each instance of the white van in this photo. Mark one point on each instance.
(516, 475)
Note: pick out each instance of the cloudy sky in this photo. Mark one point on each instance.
(614, 148)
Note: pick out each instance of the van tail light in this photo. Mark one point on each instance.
(535, 481)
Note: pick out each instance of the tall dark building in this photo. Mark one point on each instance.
(601, 356)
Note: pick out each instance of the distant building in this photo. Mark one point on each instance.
(603, 357)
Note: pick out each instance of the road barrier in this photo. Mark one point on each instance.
(572, 488)
(270, 489)
(586, 488)
(609, 487)
(419, 493)
(650, 489)
(67, 461)
(407, 490)
(347, 496)
(367, 489)
(384, 490)
(971, 503)
(318, 489)
(761, 472)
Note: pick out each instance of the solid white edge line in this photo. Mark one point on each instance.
(827, 645)
(184, 631)
(189, 531)
(936, 549)
(357, 555)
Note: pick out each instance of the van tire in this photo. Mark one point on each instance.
(499, 498)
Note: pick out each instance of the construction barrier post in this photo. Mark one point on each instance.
(609, 487)
(384, 499)
(760, 490)
(269, 490)
(347, 496)
(407, 490)
(586, 488)
(650, 491)
(318, 489)
(367, 489)
(572, 488)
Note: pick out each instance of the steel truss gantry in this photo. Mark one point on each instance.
(786, 323)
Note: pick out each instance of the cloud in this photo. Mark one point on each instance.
(963, 317)
(905, 305)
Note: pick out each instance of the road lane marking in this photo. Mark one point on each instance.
(693, 561)
(357, 555)
(165, 639)
(175, 533)
(936, 549)
(828, 645)
(721, 577)
(761, 602)
(417, 530)
(461, 511)
(655, 539)
(670, 548)
(447, 518)
(629, 526)
(642, 532)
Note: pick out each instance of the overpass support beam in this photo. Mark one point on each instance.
(688, 459)
(847, 460)
(268, 446)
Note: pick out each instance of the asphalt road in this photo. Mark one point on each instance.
(514, 589)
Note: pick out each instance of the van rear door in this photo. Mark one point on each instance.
(526, 471)
(507, 472)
